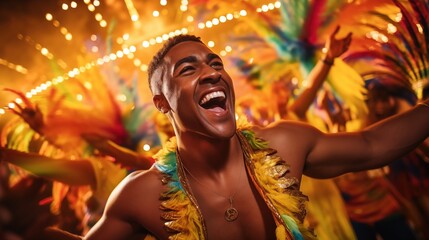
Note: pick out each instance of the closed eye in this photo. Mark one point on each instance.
(218, 65)
(186, 69)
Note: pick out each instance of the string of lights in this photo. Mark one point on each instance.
(129, 51)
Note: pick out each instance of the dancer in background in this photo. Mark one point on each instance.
(84, 158)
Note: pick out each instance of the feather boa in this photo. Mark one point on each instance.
(185, 221)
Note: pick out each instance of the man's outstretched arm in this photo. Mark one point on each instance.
(373, 147)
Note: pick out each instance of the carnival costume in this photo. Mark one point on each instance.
(181, 212)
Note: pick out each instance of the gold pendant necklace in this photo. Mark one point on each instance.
(231, 213)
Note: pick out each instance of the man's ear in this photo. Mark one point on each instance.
(161, 103)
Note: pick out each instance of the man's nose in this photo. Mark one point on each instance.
(209, 74)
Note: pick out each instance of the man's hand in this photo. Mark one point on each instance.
(29, 112)
(95, 140)
(336, 47)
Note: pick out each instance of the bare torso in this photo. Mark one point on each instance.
(134, 206)
(255, 220)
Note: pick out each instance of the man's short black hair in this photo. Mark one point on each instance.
(159, 56)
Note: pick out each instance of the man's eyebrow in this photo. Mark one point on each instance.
(212, 56)
(189, 59)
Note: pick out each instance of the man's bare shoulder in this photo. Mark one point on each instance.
(292, 140)
(283, 129)
(133, 208)
(141, 181)
(144, 185)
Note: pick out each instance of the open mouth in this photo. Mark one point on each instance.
(215, 101)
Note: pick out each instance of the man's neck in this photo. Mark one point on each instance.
(207, 155)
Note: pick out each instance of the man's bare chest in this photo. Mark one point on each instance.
(245, 215)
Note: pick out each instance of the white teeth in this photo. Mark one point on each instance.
(212, 95)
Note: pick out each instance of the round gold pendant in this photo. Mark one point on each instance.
(231, 214)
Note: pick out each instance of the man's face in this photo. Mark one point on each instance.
(199, 91)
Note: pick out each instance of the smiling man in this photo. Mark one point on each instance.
(218, 179)
(201, 94)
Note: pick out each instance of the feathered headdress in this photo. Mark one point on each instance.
(399, 50)
(289, 44)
